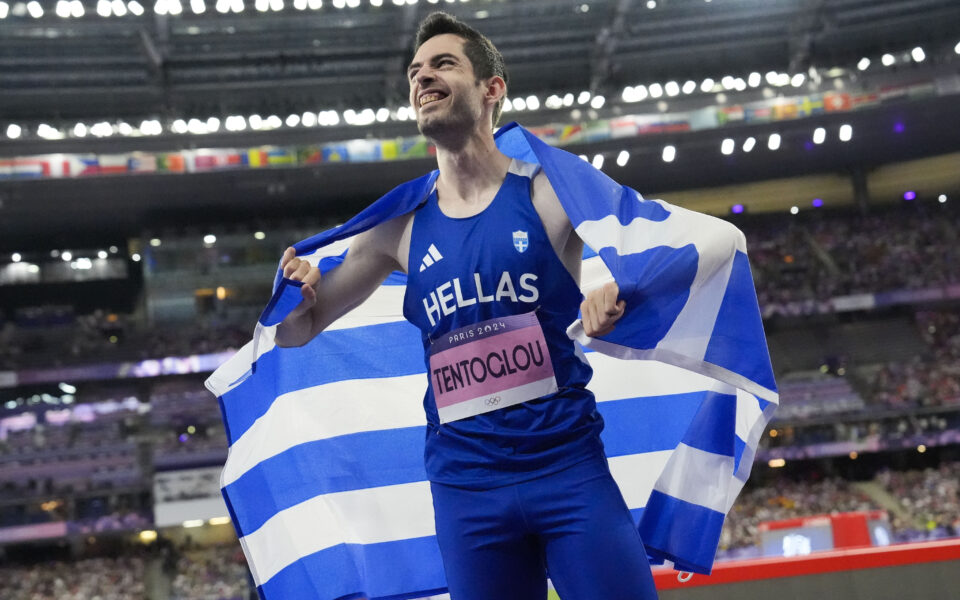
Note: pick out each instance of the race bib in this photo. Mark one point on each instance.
(490, 365)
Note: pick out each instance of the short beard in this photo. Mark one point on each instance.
(452, 128)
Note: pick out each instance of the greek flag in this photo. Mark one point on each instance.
(325, 479)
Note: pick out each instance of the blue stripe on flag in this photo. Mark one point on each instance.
(737, 327)
(696, 541)
(395, 456)
(285, 298)
(656, 298)
(713, 427)
(397, 570)
(284, 370)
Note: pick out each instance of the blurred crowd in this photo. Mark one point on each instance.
(119, 578)
(215, 573)
(799, 267)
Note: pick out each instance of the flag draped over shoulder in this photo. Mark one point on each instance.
(325, 479)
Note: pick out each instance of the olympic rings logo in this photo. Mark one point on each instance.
(493, 400)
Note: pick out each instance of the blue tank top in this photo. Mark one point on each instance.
(502, 258)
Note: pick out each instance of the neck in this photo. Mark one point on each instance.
(470, 167)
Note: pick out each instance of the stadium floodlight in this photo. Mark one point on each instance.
(318, 4)
(256, 121)
(376, 3)
(196, 126)
(353, 3)
(519, 104)
(749, 143)
(104, 8)
(794, 210)
(274, 122)
(956, 49)
(79, 130)
(259, 235)
(651, 4)
(15, 257)
(300, 4)
(5, 10)
(622, 158)
(533, 103)
(48, 133)
(76, 8)
(101, 129)
(669, 153)
(583, 97)
(34, 8)
(689, 87)
(276, 5)
(198, 7)
(343, 3)
(175, 7)
(754, 79)
(223, 6)
(918, 54)
(707, 85)
(773, 142)
(135, 257)
(13, 131)
(568, 99)
(237, 6)
(308, 119)
(213, 124)
(597, 102)
(864, 64)
(209, 239)
(727, 146)
(942, 198)
(846, 133)
(135, 7)
(888, 60)
(584, 158)
(383, 114)
(819, 135)
(656, 90)
(728, 82)
(102, 254)
(739, 84)
(125, 129)
(798, 79)
(179, 126)
(160, 7)
(629, 94)
(597, 161)
(553, 102)
(63, 9)
(66, 255)
(119, 8)
(783, 79)
(772, 77)
(672, 88)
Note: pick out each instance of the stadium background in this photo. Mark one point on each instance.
(156, 158)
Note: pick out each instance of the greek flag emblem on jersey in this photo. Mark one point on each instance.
(520, 241)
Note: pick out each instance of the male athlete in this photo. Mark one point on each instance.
(519, 478)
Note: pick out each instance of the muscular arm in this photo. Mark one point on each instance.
(372, 256)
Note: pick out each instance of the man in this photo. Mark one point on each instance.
(520, 483)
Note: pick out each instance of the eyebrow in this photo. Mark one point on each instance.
(433, 59)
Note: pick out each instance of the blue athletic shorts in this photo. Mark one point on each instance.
(501, 544)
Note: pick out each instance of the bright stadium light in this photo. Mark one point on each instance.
(5, 10)
(727, 146)
(102, 254)
(135, 7)
(739, 84)
(292, 120)
(76, 9)
(160, 7)
(34, 8)
(237, 6)
(79, 130)
(656, 90)
(15, 257)
(597, 102)
(672, 88)
(63, 9)
(622, 158)
(318, 4)
(819, 135)
(689, 87)
(597, 161)
(864, 64)
(707, 85)
(519, 104)
(66, 255)
(798, 79)
(584, 97)
(794, 210)
(568, 100)
(300, 4)
(274, 122)
(918, 54)
(728, 82)
(669, 153)
(13, 131)
(956, 49)
(846, 133)
(119, 8)
(773, 142)
(533, 103)
(104, 8)
(942, 198)
(179, 126)
(276, 5)
(553, 102)
(749, 143)
(888, 60)
(755, 79)
(198, 7)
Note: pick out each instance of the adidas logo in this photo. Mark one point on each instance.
(433, 255)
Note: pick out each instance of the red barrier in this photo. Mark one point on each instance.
(851, 559)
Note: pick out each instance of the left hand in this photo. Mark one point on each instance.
(601, 310)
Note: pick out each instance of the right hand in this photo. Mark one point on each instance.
(298, 269)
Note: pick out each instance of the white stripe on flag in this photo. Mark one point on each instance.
(704, 479)
(327, 411)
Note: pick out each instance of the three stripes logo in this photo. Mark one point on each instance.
(433, 255)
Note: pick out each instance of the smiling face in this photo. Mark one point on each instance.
(444, 91)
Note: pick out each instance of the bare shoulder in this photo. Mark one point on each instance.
(547, 205)
(388, 241)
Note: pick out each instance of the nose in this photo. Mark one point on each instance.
(424, 75)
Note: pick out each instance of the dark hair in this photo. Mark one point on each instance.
(484, 56)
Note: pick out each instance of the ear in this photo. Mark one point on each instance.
(496, 88)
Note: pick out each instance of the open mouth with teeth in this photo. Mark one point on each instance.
(431, 97)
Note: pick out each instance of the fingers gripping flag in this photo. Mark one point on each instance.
(325, 479)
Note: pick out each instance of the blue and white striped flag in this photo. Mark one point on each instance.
(325, 479)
